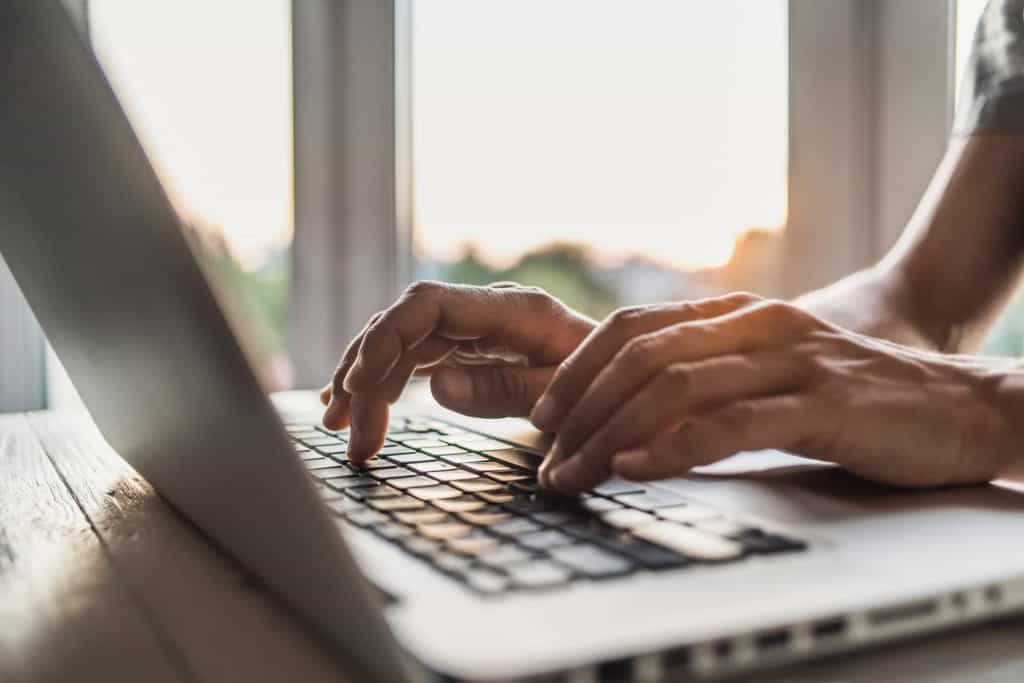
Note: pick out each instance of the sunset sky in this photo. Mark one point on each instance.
(653, 127)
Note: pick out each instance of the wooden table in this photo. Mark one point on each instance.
(100, 580)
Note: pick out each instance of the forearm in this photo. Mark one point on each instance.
(958, 261)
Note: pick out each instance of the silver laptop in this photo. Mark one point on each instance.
(442, 559)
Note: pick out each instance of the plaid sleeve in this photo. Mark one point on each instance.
(992, 92)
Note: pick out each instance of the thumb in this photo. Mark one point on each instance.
(490, 390)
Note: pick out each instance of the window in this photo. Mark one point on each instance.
(207, 86)
(588, 148)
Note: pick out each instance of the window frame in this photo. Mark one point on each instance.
(884, 66)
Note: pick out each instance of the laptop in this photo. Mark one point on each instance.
(442, 560)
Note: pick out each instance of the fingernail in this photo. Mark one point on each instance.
(556, 480)
(455, 385)
(544, 413)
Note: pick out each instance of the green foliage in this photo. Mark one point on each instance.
(561, 269)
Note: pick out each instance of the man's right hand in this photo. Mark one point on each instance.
(490, 352)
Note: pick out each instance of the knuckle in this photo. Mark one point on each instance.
(535, 299)
(421, 288)
(625, 318)
(738, 416)
(640, 352)
(678, 378)
(741, 298)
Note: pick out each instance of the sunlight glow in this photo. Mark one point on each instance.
(636, 127)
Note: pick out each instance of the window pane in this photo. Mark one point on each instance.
(207, 86)
(612, 151)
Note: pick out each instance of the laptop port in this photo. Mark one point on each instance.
(994, 594)
(615, 671)
(829, 629)
(773, 640)
(907, 611)
(674, 661)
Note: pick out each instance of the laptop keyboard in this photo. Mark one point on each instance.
(470, 506)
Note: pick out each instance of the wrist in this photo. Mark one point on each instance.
(999, 385)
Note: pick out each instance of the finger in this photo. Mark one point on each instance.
(786, 422)
(336, 415)
(608, 339)
(526, 319)
(490, 391)
(762, 325)
(676, 394)
(369, 426)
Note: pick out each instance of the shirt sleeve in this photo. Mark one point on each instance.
(992, 92)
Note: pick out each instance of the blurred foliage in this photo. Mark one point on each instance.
(563, 270)
(255, 301)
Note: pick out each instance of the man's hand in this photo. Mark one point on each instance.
(655, 391)
(490, 351)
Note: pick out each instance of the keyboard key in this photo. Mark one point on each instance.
(299, 428)
(318, 463)
(432, 466)
(561, 518)
(691, 512)
(344, 505)
(377, 490)
(347, 483)
(365, 518)
(538, 574)
(484, 517)
(764, 544)
(444, 531)
(453, 475)
(420, 546)
(392, 473)
(472, 544)
(466, 439)
(720, 526)
(510, 476)
(435, 492)
(689, 541)
(463, 458)
(423, 443)
(515, 527)
(392, 531)
(478, 485)
(487, 445)
(333, 449)
(397, 503)
(591, 561)
(486, 582)
(464, 503)
(525, 486)
(426, 516)
(320, 440)
(650, 500)
(649, 555)
(486, 467)
(409, 458)
(618, 487)
(527, 504)
(497, 497)
(331, 472)
(516, 457)
(627, 518)
(395, 449)
(305, 434)
(444, 450)
(505, 554)
(403, 436)
(411, 482)
(371, 465)
(451, 563)
(542, 540)
(599, 505)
